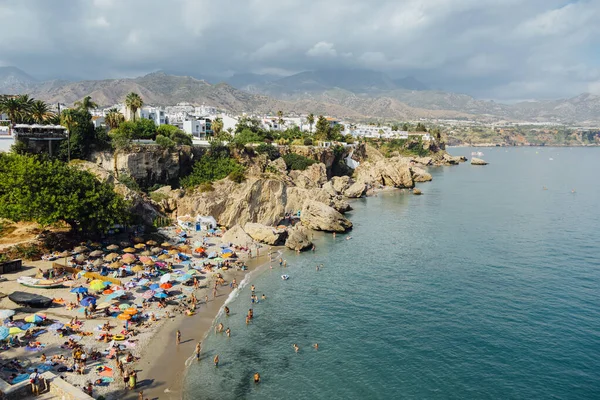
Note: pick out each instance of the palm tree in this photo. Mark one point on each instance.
(114, 118)
(311, 120)
(12, 107)
(280, 117)
(86, 104)
(217, 126)
(40, 112)
(66, 120)
(134, 102)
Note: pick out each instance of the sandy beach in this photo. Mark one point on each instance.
(158, 361)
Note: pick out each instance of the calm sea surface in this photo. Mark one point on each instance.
(485, 287)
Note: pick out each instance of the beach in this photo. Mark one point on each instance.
(158, 362)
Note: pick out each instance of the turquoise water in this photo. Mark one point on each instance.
(485, 287)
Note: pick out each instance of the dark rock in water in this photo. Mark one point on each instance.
(30, 300)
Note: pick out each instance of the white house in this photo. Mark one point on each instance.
(195, 127)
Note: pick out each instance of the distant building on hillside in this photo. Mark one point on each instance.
(196, 128)
(40, 138)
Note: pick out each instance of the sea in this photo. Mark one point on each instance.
(485, 287)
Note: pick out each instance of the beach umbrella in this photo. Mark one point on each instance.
(70, 283)
(184, 278)
(163, 257)
(173, 252)
(80, 257)
(199, 249)
(154, 286)
(165, 245)
(156, 250)
(98, 262)
(124, 306)
(96, 253)
(124, 244)
(212, 254)
(115, 265)
(95, 245)
(87, 301)
(64, 254)
(129, 259)
(81, 249)
(144, 258)
(140, 246)
(227, 255)
(97, 284)
(56, 326)
(124, 317)
(226, 251)
(142, 282)
(223, 246)
(15, 330)
(102, 306)
(113, 247)
(166, 286)
(151, 243)
(137, 268)
(149, 263)
(148, 294)
(110, 257)
(159, 289)
(34, 318)
(4, 332)
(138, 240)
(116, 294)
(131, 311)
(108, 291)
(161, 295)
(217, 259)
(129, 250)
(165, 278)
(79, 290)
(4, 314)
(146, 253)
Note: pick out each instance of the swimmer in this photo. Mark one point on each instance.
(228, 332)
(296, 348)
(257, 378)
(219, 328)
(317, 268)
(247, 320)
(216, 360)
(285, 263)
(263, 297)
(544, 188)
(226, 310)
(198, 348)
(316, 346)
(334, 235)
(252, 288)
(349, 237)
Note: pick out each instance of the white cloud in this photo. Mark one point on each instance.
(100, 22)
(270, 50)
(322, 49)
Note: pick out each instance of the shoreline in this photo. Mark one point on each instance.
(164, 371)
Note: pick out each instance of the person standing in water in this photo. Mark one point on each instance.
(316, 346)
(198, 348)
(227, 311)
(296, 348)
(256, 377)
(216, 360)
(228, 332)
(178, 337)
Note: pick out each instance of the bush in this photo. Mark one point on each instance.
(130, 182)
(211, 168)
(270, 150)
(308, 142)
(237, 176)
(164, 142)
(206, 187)
(297, 162)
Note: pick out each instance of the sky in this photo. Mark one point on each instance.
(491, 49)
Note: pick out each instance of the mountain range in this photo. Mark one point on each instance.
(352, 94)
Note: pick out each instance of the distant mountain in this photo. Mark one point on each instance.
(410, 83)
(249, 81)
(13, 80)
(354, 95)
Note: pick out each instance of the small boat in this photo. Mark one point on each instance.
(30, 300)
(285, 277)
(39, 283)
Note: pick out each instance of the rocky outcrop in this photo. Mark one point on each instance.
(340, 183)
(425, 161)
(266, 234)
(420, 175)
(356, 190)
(237, 236)
(393, 172)
(417, 192)
(318, 216)
(478, 161)
(298, 239)
(147, 164)
(314, 176)
(451, 160)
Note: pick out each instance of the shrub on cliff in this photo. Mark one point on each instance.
(295, 161)
(270, 150)
(210, 168)
(164, 142)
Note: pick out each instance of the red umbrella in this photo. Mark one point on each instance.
(166, 285)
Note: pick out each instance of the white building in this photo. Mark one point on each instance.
(196, 128)
(156, 114)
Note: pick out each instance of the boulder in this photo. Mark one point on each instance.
(278, 165)
(314, 176)
(356, 190)
(388, 172)
(237, 236)
(329, 189)
(424, 160)
(420, 175)
(417, 192)
(340, 183)
(318, 216)
(266, 234)
(298, 239)
(478, 161)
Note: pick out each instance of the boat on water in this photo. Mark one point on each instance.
(285, 277)
(477, 153)
(39, 283)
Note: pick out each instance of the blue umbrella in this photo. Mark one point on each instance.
(212, 255)
(116, 294)
(142, 282)
(79, 290)
(184, 278)
(55, 326)
(3, 332)
(87, 301)
(154, 286)
(225, 251)
(161, 295)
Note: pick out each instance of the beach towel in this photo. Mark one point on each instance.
(106, 373)
(39, 333)
(107, 380)
(20, 378)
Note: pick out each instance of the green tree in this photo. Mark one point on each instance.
(323, 128)
(86, 104)
(134, 102)
(405, 127)
(68, 121)
(280, 119)
(40, 112)
(420, 128)
(114, 118)
(213, 167)
(49, 191)
(17, 108)
(311, 120)
(246, 136)
(217, 126)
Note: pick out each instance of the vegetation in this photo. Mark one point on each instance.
(133, 102)
(48, 191)
(24, 109)
(297, 162)
(268, 149)
(216, 164)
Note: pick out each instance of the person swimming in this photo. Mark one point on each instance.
(296, 348)
(257, 378)
(226, 310)
(316, 346)
(216, 360)
(228, 332)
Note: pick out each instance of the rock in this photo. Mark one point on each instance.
(278, 165)
(420, 175)
(314, 176)
(237, 236)
(318, 216)
(417, 192)
(266, 234)
(356, 190)
(298, 239)
(478, 161)
(340, 183)
(424, 160)
(388, 172)
(450, 160)
(329, 189)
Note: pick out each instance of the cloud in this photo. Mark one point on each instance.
(322, 49)
(486, 48)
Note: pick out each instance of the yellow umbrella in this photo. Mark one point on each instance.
(138, 240)
(111, 256)
(129, 250)
(97, 286)
(151, 243)
(166, 245)
(116, 265)
(148, 262)
(15, 330)
(140, 246)
(226, 255)
(163, 257)
(173, 252)
(137, 268)
(124, 317)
